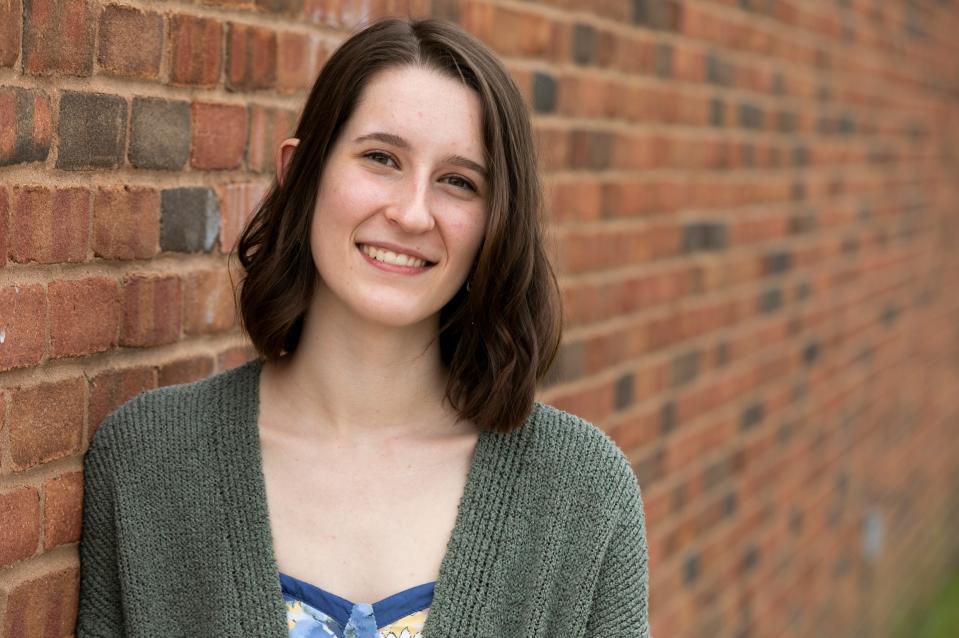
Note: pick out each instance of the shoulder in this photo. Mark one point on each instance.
(185, 411)
(579, 456)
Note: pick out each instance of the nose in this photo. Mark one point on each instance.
(411, 207)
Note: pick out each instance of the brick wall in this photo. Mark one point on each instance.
(753, 212)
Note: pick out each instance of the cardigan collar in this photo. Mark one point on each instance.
(469, 570)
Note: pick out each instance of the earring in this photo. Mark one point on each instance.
(468, 286)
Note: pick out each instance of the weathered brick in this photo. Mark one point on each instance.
(752, 415)
(717, 112)
(131, 42)
(234, 357)
(544, 92)
(624, 391)
(84, 316)
(219, 136)
(46, 421)
(126, 222)
(591, 149)
(22, 325)
(569, 364)
(237, 204)
(44, 605)
(112, 388)
(20, 532)
(684, 368)
(664, 60)
(151, 310)
(667, 417)
(49, 226)
(92, 130)
(190, 220)
(11, 18)
(250, 57)
(62, 509)
(185, 370)
(58, 37)
(25, 126)
(268, 128)
(159, 133)
(196, 50)
(208, 302)
(652, 14)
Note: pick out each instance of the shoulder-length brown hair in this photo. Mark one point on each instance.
(499, 336)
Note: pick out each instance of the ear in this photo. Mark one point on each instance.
(284, 155)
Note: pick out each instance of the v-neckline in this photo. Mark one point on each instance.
(244, 483)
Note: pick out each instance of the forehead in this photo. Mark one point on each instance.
(429, 109)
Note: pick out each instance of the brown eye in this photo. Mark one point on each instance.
(461, 182)
(380, 157)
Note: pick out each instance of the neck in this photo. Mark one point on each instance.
(353, 379)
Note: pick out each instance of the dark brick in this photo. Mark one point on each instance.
(748, 154)
(771, 300)
(722, 353)
(664, 60)
(189, 220)
(717, 112)
(714, 236)
(684, 368)
(569, 364)
(889, 314)
(287, 7)
(544, 92)
(591, 149)
(779, 83)
(786, 121)
(624, 392)
(803, 290)
(92, 130)
(778, 262)
(131, 42)
(649, 468)
(810, 352)
(801, 223)
(715, 474)
(667, 417)
(798, 192)
(752, 415)
(159, 133)
(584, 44)
(717, 70)
(691, 568)
(750, 558)
(730, 503)
(796, 521)
(25, 122)
(250, 57)
(785, 432)
(750, 115)
(653, 14)
(800, 155)
(824, 125)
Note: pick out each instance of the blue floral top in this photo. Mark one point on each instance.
(312, 612)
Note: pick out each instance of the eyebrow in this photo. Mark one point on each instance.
(396, 140)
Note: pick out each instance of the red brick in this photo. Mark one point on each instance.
(196, 46)
(24, 126)
(62, 509)
(250, 57)
(300, 56)
(131, 42)
(219, 136)
(49, 226)
(20, 532)
(4, 223)
(268, 127)
(58, 37)
(42, 606)
(237, 204)
(126, 222)
(11, 17)
(151, 310)
(84, 316)
(208, 304)
(22, 325)
(46, 421)
(111, 389)
(185, 370)
(235, 356)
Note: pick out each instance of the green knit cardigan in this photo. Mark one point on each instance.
(549, 538)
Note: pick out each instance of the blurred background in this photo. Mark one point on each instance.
(753, 214)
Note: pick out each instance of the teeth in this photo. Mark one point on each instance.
(390, 257)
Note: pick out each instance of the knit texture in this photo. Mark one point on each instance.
(549, 538)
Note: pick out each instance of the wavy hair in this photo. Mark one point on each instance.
(499, 336)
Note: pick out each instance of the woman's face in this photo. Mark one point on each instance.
(402, 203)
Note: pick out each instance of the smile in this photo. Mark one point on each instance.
(384, 256)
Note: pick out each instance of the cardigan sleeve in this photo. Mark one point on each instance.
(100, 612)
(620, 605)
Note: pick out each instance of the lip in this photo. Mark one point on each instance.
(396, 249)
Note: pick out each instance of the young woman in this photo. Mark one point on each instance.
(381, 469)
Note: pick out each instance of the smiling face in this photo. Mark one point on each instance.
(402, 204)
